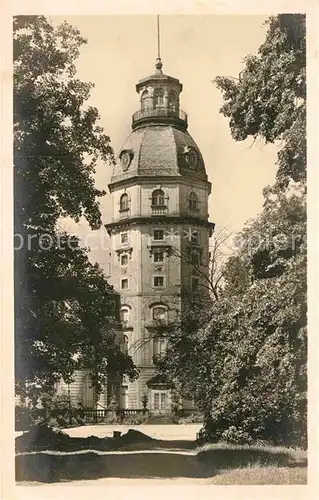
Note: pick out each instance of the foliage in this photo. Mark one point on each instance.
(235, 436)
(192, 418)
(243, 361)
(208, 269)
(137, 419)
(65, 310)
(57, 139)
(246, 369)
(27, 418)
(269, 99)
(237, 275)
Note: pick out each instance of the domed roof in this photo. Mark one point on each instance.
(159, 150)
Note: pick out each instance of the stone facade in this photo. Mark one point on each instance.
(159, 226)
(159, 223)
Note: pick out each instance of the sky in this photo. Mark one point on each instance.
(195, 49)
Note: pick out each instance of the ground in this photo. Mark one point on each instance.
(170, 458)
(165, 432)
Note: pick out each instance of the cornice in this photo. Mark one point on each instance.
(159, 220)
(169, 179)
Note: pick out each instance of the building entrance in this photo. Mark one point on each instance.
(159, 401)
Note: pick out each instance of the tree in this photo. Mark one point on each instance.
(63, 302)
(246, 366)
(269, 99)
(209, 270)
(244, 362)
(57, 141)
(263, 385)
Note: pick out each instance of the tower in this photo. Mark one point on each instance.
(159, 229)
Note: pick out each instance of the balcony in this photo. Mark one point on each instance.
(159, 209)
(160, 115)
(124, 213)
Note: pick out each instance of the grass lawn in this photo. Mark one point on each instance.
(253, 465)
(261, 476)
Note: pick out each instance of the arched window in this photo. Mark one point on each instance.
(158, 98)
(172, 101)
(158, 198)
(124, 202)
(124, 314)
(144, 100)
(193, 201)
(159, 313)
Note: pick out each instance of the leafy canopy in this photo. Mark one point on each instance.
(269, 98)
(57, 138)
(244, 363)
(66, 313)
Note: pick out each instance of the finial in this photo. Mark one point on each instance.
(158, 64)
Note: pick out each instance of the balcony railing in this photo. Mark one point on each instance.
(159, 210)
(158, 113)
(124, 213)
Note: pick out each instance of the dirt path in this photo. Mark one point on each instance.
(166, 462)
(165, 432)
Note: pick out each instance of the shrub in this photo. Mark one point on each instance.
(138, 419)
(23, 418)
(235, 435)
(193, 418)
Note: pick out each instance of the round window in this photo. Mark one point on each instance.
(192, 158)
(125, 160)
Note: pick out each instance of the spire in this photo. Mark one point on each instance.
(159, 63)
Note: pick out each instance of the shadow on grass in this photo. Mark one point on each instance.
(56, 468)
(73, 459)
(233, 457)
